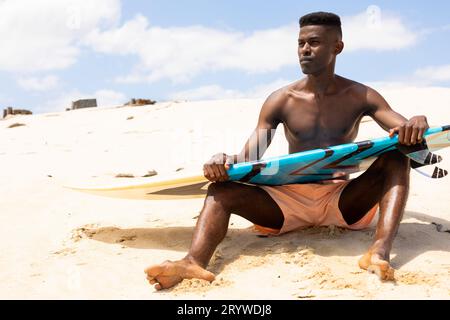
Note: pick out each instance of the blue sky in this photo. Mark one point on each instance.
(61, 50)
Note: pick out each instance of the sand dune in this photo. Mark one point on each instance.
(57, 243)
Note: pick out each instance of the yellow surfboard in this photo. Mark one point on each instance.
(155, 189)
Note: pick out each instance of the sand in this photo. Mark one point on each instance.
(60, 244)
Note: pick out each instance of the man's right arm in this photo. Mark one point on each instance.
(269, 118)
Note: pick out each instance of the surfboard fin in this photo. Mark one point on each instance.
(421, 157)
(420, 153)
(433, 172)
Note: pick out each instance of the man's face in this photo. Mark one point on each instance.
(317, 48)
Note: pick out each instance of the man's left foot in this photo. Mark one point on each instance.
(170, 273)
(377, 263)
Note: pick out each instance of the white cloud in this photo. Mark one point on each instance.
(179, 54)
(105, 98)
(49, 34)
(45, 34)
(217, 92)
(422, 77)
(433, 73)
(38, 84)
(376, 30)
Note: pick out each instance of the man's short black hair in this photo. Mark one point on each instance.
(322, 19)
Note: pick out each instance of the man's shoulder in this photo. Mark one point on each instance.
(352, 85)
(357, 89)
(280, 96)
(364, 95)
(283, 94)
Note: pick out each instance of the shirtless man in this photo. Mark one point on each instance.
(320, 110)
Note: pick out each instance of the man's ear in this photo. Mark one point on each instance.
(339, 47)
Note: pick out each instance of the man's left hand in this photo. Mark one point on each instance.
(412, 131)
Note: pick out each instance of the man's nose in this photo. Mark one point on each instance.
(306, 49)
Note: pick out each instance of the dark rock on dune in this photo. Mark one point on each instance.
(83, 103)
(140, 102)
(11, 111)
(14, 125)
(150, 173)
(124, 175)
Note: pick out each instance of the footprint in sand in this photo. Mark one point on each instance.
(86, 231)
(126, 238)
(199, 286)
(416, 278)
(65, 252)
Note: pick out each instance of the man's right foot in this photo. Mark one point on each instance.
(170, 273)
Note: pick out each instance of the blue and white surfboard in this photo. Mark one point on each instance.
(322, 164)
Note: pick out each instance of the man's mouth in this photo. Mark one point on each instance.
(306, 60)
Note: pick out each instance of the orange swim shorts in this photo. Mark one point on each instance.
(312, 204)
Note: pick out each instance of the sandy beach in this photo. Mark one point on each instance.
(60, 244)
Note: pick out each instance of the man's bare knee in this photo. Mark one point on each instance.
(224, 194)
(394, 161)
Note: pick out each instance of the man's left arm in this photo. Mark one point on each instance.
(409, 131)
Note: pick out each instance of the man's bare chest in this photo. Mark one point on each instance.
(322, 125)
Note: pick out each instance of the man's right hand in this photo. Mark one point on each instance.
(215, 169)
